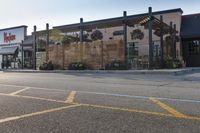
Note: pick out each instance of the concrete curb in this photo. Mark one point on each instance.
(161, 72)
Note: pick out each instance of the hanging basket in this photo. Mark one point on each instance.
(137, 34)
(97, 35)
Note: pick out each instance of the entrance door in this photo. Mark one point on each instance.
(191, 53)
(132, 50)
(8, 61)
(28, 59)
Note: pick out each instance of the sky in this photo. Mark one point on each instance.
(61, 12)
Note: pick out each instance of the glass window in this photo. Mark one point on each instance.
(194, 47)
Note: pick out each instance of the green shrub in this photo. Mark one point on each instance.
(172, 64)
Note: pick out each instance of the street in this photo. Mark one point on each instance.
(99, 103)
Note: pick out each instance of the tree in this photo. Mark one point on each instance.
(55, 35)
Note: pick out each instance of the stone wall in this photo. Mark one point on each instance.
(40, 59)
(94, 54)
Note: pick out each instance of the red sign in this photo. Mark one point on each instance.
(8, 37)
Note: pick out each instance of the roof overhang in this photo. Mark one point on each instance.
(118, 21)
(190, 26)
(141, 20)
(8, 50)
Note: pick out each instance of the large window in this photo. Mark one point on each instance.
(132, 50)
(194, 47)
(156, 48)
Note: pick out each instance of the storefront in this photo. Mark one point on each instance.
(27, 49)
(10, 47)
(190, 34)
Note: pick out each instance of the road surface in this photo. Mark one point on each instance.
(99, 103)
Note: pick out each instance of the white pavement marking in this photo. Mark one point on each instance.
(19, 91)
(141, 97)
(30, 97)
(37, 113)
(112, 94)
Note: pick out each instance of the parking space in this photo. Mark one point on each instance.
(9, 88)
(47, 94)
(43, 98)
(115, 101)
(51, 110)
(89, 120)
(188, 108)
(16, 106)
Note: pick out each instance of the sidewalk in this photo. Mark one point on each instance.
(158, 71)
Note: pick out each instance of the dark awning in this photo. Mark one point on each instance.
(8, 50)
(190, 26)
(28, 41)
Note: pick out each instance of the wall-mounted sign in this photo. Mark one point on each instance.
(118, 33)
(8, 37)
(12, 36)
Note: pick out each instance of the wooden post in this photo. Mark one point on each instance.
(81, 40)
(125, 39)
(34, 47)
(47, 42)
(22, 54)
(102, 56)
(63, 55)
(171, 36)
(150, 39)
(81, 30)
(161, 41)
(174, 42)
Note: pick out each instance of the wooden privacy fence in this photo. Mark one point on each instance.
(94, 54)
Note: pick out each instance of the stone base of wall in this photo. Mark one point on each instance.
(40, 59)
(94, 54)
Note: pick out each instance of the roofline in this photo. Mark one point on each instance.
(29, 36)
(121, 18)
(14, 27)
(194, 14)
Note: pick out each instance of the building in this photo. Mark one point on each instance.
(15, 48)
(184, 46)
(10, 42)
(190, 37)
(134, 31)
(149, 41)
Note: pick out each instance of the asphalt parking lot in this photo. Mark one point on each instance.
(60, 105)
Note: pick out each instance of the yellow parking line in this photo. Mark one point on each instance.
(139, 111)
(37, 113)
(124, 109)
(71, 97)
(19, 91)
(168, 108)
